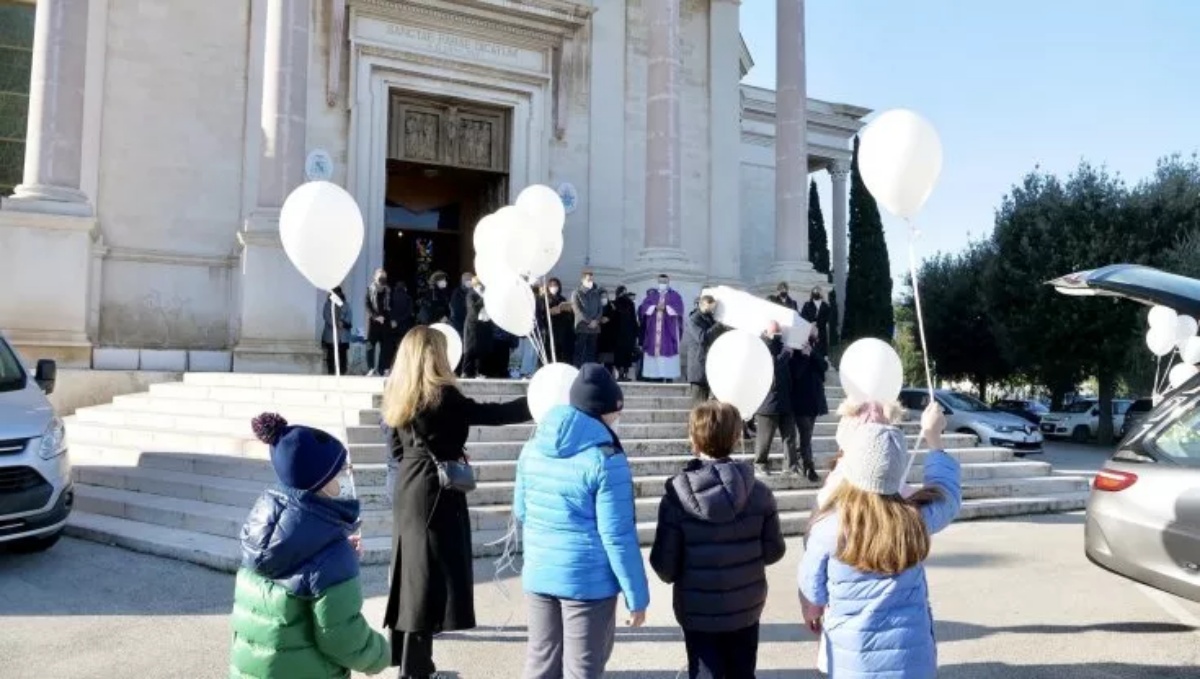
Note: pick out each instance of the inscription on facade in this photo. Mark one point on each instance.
(459, 47)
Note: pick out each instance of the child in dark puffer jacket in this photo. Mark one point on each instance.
(718, 530)
(297, 604)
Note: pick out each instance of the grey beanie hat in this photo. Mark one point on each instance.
(876, 458)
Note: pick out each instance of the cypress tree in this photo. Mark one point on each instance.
(818, 242)
(869, 310)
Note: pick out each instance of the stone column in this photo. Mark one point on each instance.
(54, 138)
(725, 145)
(840, 173)
(279, 308)
(791, 150)
(662, 251)
(605, 196)
(48, 224)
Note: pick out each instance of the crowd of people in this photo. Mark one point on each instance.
(861, 582)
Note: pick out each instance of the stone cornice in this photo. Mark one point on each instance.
(745, 59)
(466, 67)
(123, 254)
(539, 21)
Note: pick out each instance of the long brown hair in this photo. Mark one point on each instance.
(419, 374)
(881, 534)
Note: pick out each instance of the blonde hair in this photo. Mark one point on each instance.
(419, 374)
(880, 534)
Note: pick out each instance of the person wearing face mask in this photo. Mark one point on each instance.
(476, 331)
(459, 302)
(297, 604)
(627, 331)
(702, 330)
(588, 312)
(574, 496)
(607, 347)
(435, 303)
(560, 323)
(782, 298)
(817, 312)
(775, 413)
(379, 309)
(662, 315)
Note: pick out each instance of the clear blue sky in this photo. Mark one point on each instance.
(1009, 85)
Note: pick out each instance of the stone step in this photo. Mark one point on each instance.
(223, 553)
(980, 481)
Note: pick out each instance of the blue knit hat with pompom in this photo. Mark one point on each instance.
(304, 458)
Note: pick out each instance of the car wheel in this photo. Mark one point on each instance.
(967, 432)
(35, 544)
(1081, 434)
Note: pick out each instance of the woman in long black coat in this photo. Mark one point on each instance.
(432, 584)
(477, 332)
(628, 331)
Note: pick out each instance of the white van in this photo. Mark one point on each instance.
(35, 472)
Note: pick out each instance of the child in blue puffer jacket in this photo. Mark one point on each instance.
(862, 581)
(574, 497)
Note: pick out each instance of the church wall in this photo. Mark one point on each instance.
(636, 37)
(170, 191)
(695, 140)
(570, 156)
(758, 205)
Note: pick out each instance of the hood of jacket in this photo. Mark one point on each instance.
(288, 528)
(715, 491)
(566, 432)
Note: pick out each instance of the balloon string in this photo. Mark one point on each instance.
(912, 272)
(1157, 373)
(334, 303)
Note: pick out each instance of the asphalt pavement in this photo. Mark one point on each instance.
(1014, 599)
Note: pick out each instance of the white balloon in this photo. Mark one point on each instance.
(454, 346)
(544, 253)
(544, 205)
(491, 269)
(1191, 351)
(740, 371)
(900, 158)
(871, 371)
(1163, 316)
(1181, 373)
(509, 302)
(1185, 329)
(550, 386)
(321, 229)
(488, 235)
(1160, 340)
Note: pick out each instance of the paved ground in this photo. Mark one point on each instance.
(1013, 598)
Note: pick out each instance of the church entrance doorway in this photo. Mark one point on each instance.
(447, 168)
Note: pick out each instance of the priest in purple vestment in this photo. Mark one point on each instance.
(662, 315)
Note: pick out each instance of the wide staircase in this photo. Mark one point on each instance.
(174, 471)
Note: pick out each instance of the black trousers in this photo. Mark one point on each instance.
(586, 348)
(343, 351)
(722, 655)
(805, 426)
(765, 428)
(699, 393)
(413, 654)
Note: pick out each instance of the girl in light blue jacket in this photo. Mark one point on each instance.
(574, 498)
(862, 581)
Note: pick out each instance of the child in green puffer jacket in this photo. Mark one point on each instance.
(297, 605)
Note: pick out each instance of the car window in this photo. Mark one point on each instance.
(914, 400)
(1181, 440)
(1121, 407)
(957, 401)
(1081, 406)
(12, 373)
(1035, 407)
(1142, 405)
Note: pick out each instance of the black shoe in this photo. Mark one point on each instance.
(810, 473)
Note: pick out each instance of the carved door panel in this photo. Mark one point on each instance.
(425, 131)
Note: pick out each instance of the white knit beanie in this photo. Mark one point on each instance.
(876, 458)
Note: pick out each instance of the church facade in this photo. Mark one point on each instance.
(163, 138)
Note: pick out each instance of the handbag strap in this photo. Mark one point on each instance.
(425, 440)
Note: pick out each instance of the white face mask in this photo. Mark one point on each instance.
(587, 285)
(662, 287)
(441, 285)
(604, 300)
(346, 489)
(553, 290)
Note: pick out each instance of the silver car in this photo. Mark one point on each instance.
(966, 414)
(1143, 516)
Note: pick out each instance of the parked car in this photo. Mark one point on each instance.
(1136, 415)
(966, 414)
(1143, 516)
(1026, 409)
(35, 471)
(1081, 420)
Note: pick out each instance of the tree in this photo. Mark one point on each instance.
(869, 276)
(908, 345)
(958, 327)
(1044, 229)
(818, 242)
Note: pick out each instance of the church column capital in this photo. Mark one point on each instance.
(839, 170)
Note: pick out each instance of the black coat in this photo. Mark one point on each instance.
(779, 398)
(701, 331)
(432, 582)
(563, 325)
(435, 308)
(402, 310)
(459, 303)
(808, 384)
(476, 334)
(718, 530)
(379, 305)
(788, 301)
(820, 318)
(608, 330)
(628, 331)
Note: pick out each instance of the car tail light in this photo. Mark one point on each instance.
(1113, 481)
